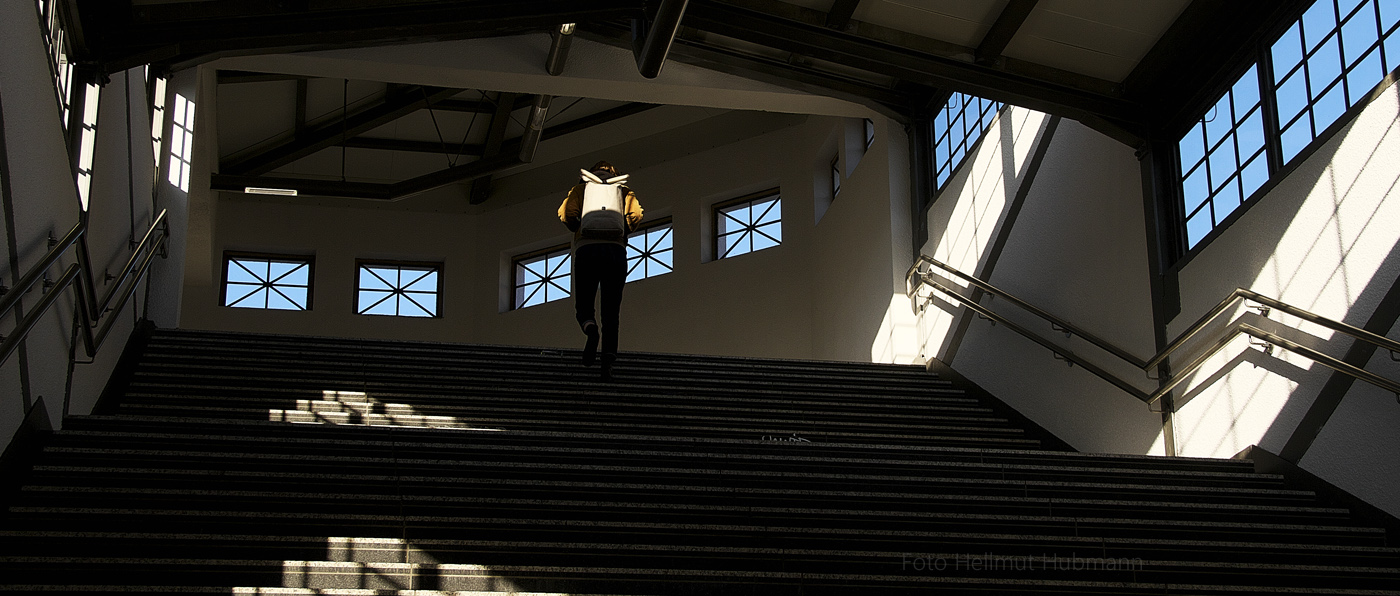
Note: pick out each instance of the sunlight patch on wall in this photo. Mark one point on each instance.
(358, 408)
(966, 217)
(897, 341)
(1326, 254)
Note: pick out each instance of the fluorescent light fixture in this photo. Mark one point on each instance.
(281, 192)
(567, 28)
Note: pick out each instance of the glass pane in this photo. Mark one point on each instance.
(389, 276)
(1254, 175)
(299, 276)
(1292, 98)
(1246, 93)
(767, 212)
(277, 301)
(239, 271)
(1329, 108)
(1192, 147)
(427, 281)
(1324, 67)
(773, 230)
(1318, 21)
(296, 295)
(244, 296)
(1364, 76)
(373, 302)
(761, 241)
(1250, 135)
(279, 270)
(1195, 190)
(1390, 13)
(664, 259)
(1287, 52)
(1358, 35)
(1295, 138)
(1222, 164)
(370, 280)
(1218, 122)
(1198, 226)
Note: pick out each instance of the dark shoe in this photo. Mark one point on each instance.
(607, 372)
(590, 348)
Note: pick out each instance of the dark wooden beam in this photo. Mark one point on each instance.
(1005, 27)
(495, 138)
(303, 186)
(411, 146)
(299, 122)
(906, 61)
(480, 106)
(393, 107)
(840, 14)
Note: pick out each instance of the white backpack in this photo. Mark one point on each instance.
(604, 212)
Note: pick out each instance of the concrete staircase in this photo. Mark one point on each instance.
(249, 464)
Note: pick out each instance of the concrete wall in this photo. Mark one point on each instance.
(1062, 231)
(41, 198)
(821, 294)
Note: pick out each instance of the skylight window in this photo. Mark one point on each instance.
(956, 129)
(649, 251)
(181, 142)
(542, 277)
(748, 224)
(87, 143)
(267, 282)
(59, 66)
(398, 289)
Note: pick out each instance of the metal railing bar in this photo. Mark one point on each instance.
(12, 342)
(1031, 335)
(99, 307)
(1072, 328)
(35, 273)
(125, 297)
(1179, 376)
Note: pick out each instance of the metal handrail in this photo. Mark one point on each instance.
(1167, 384)
(95, 327)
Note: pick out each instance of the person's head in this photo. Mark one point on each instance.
(603, 169)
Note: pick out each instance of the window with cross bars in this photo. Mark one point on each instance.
(271, 282)
(747, 224)
(398, 289)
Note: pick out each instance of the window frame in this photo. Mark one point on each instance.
(309, 260)
(436, 266)
(967, 149)
(644, 255)
(545, 253)
(715, 216)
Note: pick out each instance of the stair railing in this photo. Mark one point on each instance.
(92, 310)
(924, 276)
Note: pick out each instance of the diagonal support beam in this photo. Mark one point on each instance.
(328, 134)
(1005, 27)
(840, 14)
(495, 138)
(412, 146)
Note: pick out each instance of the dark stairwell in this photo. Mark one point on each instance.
(260, 464)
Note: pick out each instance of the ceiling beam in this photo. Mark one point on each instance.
(909, 61)
(412, 146)
(122, 34)
(327, 134)
(1001, 32)
(839, 17)
(233, 77)
(495, 137)
(506, 159)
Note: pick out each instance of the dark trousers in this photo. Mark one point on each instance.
(600, 268)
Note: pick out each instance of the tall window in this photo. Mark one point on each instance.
(398, 289)
(955, 129)
(1222, 158)
(542, 277)
(181, 142)
(272, 282)
(59, 66)
(1321, 66)
(748, 224)
(649, 251)
(835, 176)
(869, 133)
(87, 142)
(157, 117)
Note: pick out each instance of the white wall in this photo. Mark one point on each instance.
(1076, 250)
(1324, 239)
(44, 200)
(820, 295)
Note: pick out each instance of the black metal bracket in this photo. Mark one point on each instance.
(1063, 330)
(1059, 356)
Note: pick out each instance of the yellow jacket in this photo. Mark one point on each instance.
(572, 209)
